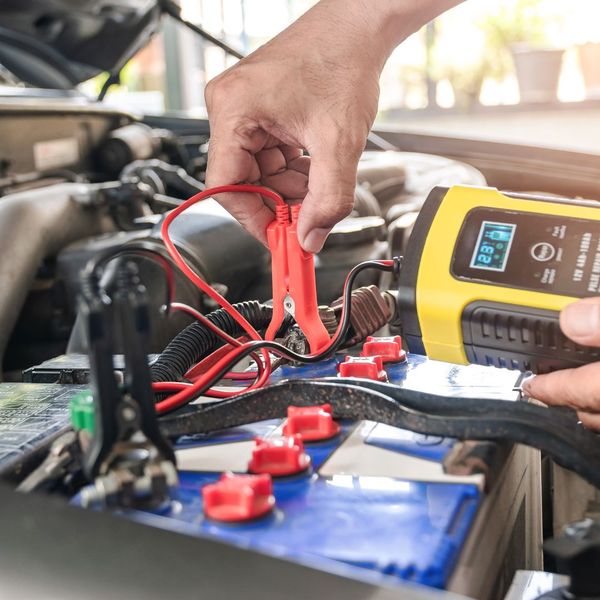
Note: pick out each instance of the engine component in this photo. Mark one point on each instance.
(577, 552)
(64, 455)
(554, 431)
(200, 238)
(401, 181)
(486, 275)
(365, 203)
(162, 177)
(124, 145)
(40, 138)
(58, 215)
(70, 369)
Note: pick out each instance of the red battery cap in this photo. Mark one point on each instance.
(389, 348)
(312, 423)
(279, 456)
(238, 497)
(364, 367)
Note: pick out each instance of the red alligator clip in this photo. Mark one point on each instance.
(293, 273)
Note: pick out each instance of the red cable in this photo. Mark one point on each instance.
(263, 373)
(187, 392)
(263, 370)
(190, 273)
(200, 283)
(206, 322)
(184, 396)
(201, 367)
(240, 375)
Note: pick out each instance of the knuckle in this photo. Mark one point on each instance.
(223, 86)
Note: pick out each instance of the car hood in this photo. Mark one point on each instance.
(57, 44)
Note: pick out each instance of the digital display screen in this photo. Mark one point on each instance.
(493, 245)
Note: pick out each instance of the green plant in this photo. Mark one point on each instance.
(466, 71)
(507, 24)
(512, 24)
(520, 21)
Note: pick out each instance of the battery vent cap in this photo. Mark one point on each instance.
(279, 456)
(312, 423)
(364, 367)
(389, 348)
(236, 498)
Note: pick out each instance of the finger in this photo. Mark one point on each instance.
(290, 152)
(579, 388)
(295, 159)
(271, 161)
(589, 420)
(580, 321)
(300, 164)
(231, 155)
(230, 161)
(276, 172)
(330, 198)
(290, 184)
(250, 211)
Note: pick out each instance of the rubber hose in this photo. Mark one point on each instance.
(36, 224)
(195, 342)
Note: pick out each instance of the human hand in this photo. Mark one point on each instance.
(578, 388)
(314, 87)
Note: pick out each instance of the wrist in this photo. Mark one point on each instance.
(389, 22)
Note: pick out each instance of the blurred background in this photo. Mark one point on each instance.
(511, 70)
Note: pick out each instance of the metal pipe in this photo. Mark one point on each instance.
(33, 226)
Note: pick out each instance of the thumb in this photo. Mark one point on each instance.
(580, 321)
(330, 198)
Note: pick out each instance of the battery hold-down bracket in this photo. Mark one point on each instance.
(555, 431)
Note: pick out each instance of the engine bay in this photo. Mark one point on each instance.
(96, 295)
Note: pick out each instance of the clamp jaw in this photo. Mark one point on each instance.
(294, 284)
(130, 461)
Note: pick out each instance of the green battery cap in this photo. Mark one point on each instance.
(82, 411)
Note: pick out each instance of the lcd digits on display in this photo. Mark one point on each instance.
(493, 246)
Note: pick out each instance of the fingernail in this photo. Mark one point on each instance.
(314, 240)
(581, 319)
(526, 385)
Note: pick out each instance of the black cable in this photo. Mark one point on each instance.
(113, 78)
(139, 248)
(196, 341)
(280, 349)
